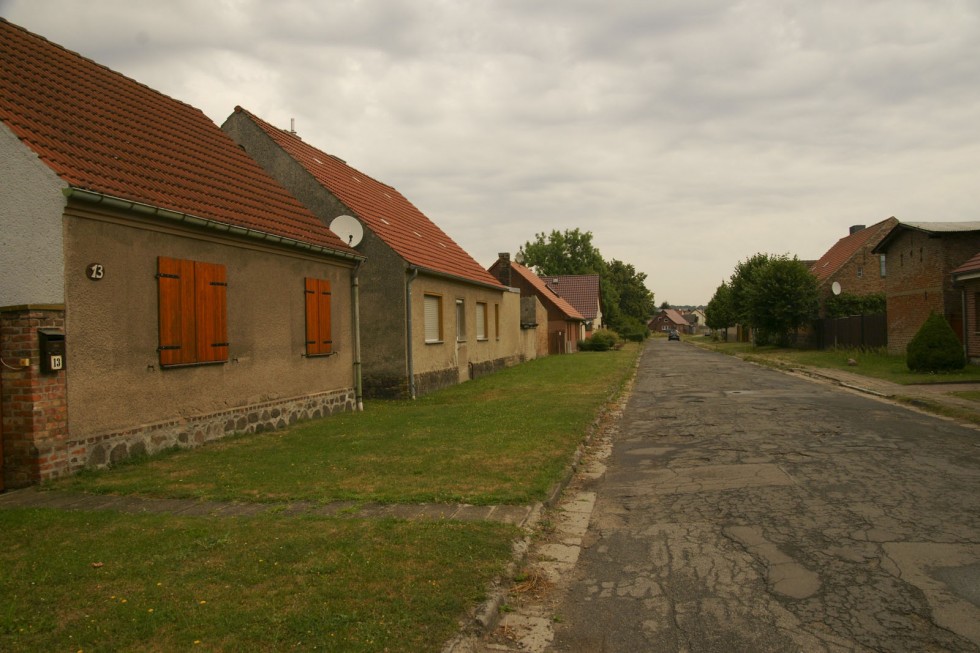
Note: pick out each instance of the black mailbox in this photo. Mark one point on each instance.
(51, 342)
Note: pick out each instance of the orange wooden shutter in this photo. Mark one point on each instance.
(323, 333)
(318, 338)
(211, 308)
(176, 305)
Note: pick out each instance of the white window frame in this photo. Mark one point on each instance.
(460, 320)
(481, 321)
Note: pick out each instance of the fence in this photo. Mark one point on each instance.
(857, 332)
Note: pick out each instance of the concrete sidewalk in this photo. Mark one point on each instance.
(923, 396)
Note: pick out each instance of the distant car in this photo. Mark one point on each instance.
(673, 335)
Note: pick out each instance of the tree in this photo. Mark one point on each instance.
(720, 312)
(634, 300)
(742, 279)
(781, 297)
(568, 252)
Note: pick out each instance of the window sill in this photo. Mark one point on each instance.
(435, 342)
(328, 355)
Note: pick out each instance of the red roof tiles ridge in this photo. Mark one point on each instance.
(846, 247)
(107, 134)
(545, 291)
(384, 210)
(580, 290)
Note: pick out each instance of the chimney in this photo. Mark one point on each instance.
(503, 268)
(856, 228)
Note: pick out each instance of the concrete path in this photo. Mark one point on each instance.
(737, 508)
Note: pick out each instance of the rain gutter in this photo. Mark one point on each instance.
(206, 223)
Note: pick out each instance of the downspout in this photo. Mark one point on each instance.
(356, 320)
(408, 330)
(966, 336)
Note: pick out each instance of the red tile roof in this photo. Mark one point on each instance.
(848, 246)
(383, 209)
(543, 291)
(580, 290)
(675, 316)
(106, 133)
(973, 265)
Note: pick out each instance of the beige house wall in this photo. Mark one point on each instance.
(455, 358)
(115, 381)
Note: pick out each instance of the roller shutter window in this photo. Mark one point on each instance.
(433, 317)
(481, 321)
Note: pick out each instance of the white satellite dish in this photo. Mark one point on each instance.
(835, 287)
(348, 229)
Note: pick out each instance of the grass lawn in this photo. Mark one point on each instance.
(875, 364)
(503, 438)
(104, 581)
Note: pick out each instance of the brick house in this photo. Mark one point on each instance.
(584, 293)
(919, 259)
(431, 315)
(667, 319)
(852, 264)
(159, 288)
(966, 278)
(564, 322)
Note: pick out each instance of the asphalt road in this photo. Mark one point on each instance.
(742, 509)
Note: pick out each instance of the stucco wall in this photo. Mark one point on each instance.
(115, 380)
(451, 359)
(31, 206)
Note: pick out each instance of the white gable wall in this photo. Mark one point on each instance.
(31, 233)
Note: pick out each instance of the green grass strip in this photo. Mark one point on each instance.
(105, 581)
(501, 439)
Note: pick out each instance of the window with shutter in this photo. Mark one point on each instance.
(193, 311)
(433, 317)
(319, 340)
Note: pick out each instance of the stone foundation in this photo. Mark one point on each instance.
(105, 450)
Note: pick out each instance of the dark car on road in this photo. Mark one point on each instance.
(673, 335)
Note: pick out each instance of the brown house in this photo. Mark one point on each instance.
(564, 326)
(851, 266)
(431, 315)
(966, 278)
(584, 292)
(918, 259)
(159, 288)
(668, 319)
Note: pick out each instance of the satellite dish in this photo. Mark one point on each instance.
(348, 229)
(835, 287)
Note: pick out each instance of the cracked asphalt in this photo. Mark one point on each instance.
(738, 508)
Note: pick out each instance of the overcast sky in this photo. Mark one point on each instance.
(686, 135)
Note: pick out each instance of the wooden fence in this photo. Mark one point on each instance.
(856, 332)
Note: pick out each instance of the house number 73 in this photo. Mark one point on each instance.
(95, 271)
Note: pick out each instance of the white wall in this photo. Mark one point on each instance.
(32, 264)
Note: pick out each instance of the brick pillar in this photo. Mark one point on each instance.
(34, 403)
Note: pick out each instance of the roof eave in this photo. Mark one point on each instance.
(206, 223)
(455, 277)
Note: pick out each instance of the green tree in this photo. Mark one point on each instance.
(567, 252)
(741, 281)
(634, 300)
(781, 297)
(720, 312)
